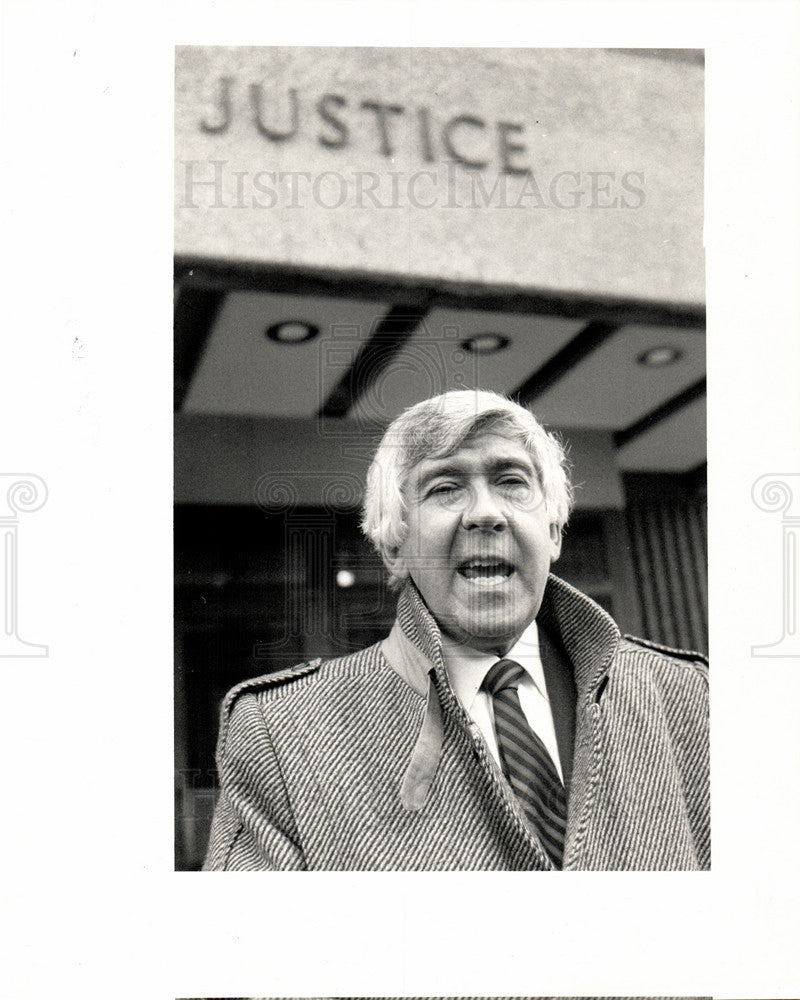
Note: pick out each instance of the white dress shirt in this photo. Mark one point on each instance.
(467, 668)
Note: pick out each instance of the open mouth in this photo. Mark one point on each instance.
(486, 570)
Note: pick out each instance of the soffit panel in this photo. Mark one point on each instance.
(610, 390)
(244, 372)
(677, 444)
(434, 360)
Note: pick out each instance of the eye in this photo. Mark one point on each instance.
(446, 494)
(443, 489)
(518, 490)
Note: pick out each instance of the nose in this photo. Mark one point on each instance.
(484, 510)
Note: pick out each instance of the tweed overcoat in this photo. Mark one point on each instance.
(368, 762)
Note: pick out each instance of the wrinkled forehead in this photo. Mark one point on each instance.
(486, 449)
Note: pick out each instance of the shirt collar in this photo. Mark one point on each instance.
(589, 635)
(467, 667)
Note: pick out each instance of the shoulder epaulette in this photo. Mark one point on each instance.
(259, 684)
(271, 680)
(680, 654)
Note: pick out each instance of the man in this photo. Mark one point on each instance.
(504, 723)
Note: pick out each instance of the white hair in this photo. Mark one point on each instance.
(436, 428)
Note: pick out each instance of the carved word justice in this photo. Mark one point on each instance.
(466, 139)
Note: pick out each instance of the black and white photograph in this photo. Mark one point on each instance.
(399, 419)
(439, 328)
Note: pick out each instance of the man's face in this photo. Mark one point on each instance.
(480, 541)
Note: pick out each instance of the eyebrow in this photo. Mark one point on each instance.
(500, 464)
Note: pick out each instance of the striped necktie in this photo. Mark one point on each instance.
(525, 761)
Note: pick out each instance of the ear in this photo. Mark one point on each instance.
(395, 562)
(555, 542)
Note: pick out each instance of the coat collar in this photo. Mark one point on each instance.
(414, 650)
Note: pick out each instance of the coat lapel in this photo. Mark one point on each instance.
(577, 630)
(590, 639)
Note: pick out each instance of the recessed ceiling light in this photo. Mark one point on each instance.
(485, 343)
(659, 357)
(345, 578)
(292, 332)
